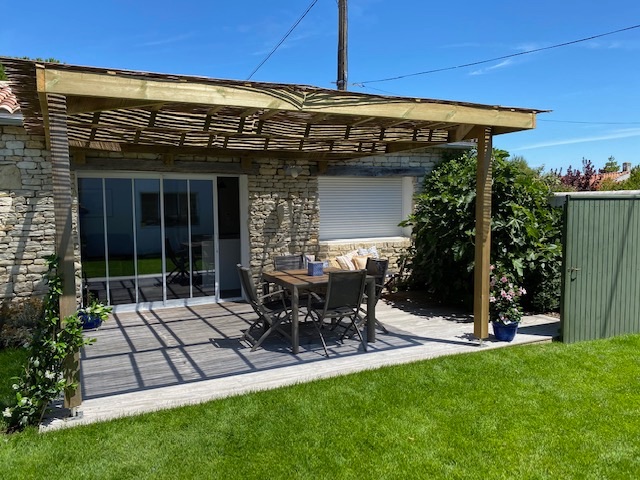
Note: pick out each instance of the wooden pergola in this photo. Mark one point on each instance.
(84, 109)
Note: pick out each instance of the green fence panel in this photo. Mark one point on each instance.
(601, 265)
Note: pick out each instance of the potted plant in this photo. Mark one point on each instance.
(505, 312)
(94, 314)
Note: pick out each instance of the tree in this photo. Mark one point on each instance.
(3, 75)
(611, 166)
(633, 183)
(525, 234)
(580, 181)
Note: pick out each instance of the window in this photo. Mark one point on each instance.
(363, 207)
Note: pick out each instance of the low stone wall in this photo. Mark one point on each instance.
(391, 248)
(27, 225)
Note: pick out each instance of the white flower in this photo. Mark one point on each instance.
(15, 386)
(49, 375)
(7, 412)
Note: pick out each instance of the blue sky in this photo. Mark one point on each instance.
(592, 87)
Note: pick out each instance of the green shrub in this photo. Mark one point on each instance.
(18, 322)
(525, 231)
(12, 362)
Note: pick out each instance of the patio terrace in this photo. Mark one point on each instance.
(150, 360)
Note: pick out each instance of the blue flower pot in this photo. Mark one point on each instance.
(504, 333)
(89, 322)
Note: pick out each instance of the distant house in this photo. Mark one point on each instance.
(617, 177)
(169, 181)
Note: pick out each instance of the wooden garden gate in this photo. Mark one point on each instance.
(601, 266)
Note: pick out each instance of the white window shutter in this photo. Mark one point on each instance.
(360, 207)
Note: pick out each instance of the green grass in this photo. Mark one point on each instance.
(543, 411)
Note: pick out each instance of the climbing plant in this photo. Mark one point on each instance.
(55, 341)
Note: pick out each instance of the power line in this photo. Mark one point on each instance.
(526, 52)
(386, 92)
(283, 38)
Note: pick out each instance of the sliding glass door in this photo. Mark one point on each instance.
(149, 240)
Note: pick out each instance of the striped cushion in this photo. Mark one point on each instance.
(345, 263)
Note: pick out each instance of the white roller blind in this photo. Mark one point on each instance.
(360, 207)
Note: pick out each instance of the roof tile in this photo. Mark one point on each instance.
(8, 100)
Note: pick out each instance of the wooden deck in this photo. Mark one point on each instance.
(148, 360)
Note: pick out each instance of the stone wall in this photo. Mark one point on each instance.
(284, 215)
(27, 228)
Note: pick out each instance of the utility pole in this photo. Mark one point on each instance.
(342, 45)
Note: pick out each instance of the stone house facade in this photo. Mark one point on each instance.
(282, 217)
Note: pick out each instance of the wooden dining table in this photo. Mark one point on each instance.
(296, 281)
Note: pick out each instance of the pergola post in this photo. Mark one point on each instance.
(483, 235)
(61, 177)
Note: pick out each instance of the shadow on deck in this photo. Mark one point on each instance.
(148, 360)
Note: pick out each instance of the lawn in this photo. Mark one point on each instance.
(541, 411)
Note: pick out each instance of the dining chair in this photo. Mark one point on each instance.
(288, 262)
(272, 310)
(342, 301)
(377, 268)
(291, 262)
(180, 262)
(207, 266)
(284, 262)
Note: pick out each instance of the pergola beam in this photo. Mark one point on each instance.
(92, 104)
(483, 234)
(462, 132)
(151, 90)
(61, 178)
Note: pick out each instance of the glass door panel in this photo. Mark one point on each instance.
(178, 256)
(202, 238)
(92, 251)
(148, 240)
(229, 236)
(121, 266)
